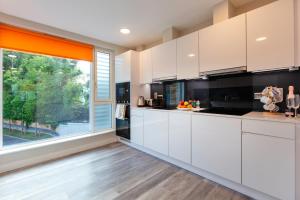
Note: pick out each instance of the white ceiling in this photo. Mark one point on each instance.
(102, 19)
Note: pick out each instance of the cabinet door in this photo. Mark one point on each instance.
(269, 165)
(188, 57)
(164, 60)
(146, 67)
(122, 67)
(156, 126)
(223, 45)
(270, 36)
(297, 18)
(137, 127)
(180, 133)
(216, 145)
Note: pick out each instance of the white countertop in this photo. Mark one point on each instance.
(276, 117)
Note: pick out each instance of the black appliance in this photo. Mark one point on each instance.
(158, 101)
(167, 95)
(227, 111)
(123, 97)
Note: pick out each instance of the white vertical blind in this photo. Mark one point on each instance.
(103, 76)
(103, 117)
(103, 108)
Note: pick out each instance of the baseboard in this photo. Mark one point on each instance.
(232, 185)
(16, 160)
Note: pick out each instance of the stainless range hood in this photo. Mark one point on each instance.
(234, 70)
(164, 79)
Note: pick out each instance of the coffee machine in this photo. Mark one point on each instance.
(158, 100)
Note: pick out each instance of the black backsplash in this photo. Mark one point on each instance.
(235, 91)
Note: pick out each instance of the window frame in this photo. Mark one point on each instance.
(111, 99)
(1, 100)
(94, 101)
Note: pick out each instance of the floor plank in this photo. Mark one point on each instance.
(115, 171)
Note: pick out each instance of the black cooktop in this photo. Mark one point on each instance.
(226, 111)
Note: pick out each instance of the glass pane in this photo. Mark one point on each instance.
(103, 76)
(44, 97)
(174, 92)
(103, 117)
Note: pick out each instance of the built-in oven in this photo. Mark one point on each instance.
(123, 97)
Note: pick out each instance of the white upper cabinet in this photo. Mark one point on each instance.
(270, 36)
(180, 136)
(123, 67)
(146, 67)
(217, 146)
(297, 18)
(164, 61)
(223, 45)
(188, 56)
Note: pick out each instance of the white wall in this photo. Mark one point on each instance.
(15, 21)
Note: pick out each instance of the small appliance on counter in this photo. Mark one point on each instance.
(149, 102)
(141, 101)
(158, 101)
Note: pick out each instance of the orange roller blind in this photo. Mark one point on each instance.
(24, 40)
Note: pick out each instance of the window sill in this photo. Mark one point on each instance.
(20, 148)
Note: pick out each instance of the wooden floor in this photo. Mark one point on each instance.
(115, 171)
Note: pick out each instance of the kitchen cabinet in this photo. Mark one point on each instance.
(123, 67)
(270, 36)
(180, 133)
(297, 31)
(137, 127)
(156, 131)
(164, 61)
(223, 45)
(298, 161)
(127, 70)
(269, 165)
(216, 145)
(146, 67)
(188, 56)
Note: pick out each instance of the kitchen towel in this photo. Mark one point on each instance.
(120, 111)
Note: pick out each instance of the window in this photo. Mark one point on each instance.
(103, 90)
(46, 89)
(43, 97)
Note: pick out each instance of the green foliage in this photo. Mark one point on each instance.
(43, 89)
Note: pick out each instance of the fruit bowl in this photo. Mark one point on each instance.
(184, 109)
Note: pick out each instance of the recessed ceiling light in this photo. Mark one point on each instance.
(261, 39)
(125, 31)
(191, 55)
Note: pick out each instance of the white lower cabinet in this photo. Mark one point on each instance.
(156, 131)
(137, 127)
(216, 145)
(269, 165)
(180, 133)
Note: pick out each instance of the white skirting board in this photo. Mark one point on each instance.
(234, 186)
(16, 159)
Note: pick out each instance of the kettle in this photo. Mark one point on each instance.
(141, 101)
